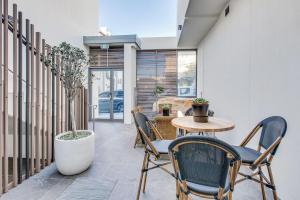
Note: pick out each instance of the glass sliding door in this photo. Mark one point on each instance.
(118, 94)
(107, 94)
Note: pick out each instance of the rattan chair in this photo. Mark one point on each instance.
(153, 149)
(273, 129)
(137, 137)
(204, 166)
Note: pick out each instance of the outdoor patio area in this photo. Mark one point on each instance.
(114, 174)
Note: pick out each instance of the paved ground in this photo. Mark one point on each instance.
(115, 171)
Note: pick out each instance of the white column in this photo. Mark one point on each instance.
(129, 81)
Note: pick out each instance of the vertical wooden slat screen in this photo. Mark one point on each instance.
(62, 100)
(53, 128)
(33, 97)
(20, 97)
(48, 112)
(67, 112)
(1, 107)
(39, 102)
(15, 95)
(38, 131)
(27, 129)
(58, 116)
(86, 110)
(43, 104)
(5, 91)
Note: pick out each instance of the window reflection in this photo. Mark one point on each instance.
(186, 83)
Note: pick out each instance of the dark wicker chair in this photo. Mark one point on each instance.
(273, 129)
(204, 166)
(153, 149)
(137, 137)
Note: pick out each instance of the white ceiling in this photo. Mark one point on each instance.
(200, 16)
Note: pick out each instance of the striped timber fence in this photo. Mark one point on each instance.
(32, 99)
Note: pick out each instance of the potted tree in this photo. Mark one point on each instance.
(74, 149)
(166, 109)
(200, 110)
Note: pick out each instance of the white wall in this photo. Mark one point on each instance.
(249, 65)
(61, 20)
(129, 81)
(158, 43)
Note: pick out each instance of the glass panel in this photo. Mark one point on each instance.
(118, 95)
(186, 84)
(101, 95)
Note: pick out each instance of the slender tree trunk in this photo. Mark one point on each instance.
(72, 116)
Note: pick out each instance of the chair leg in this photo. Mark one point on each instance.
(141, 178)
(177, 190)
(229, 195)
(262, 186)
(183, 196)
(272, 182)
(136, 140)
(146, 173)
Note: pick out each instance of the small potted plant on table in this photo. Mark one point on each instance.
(166, 110)
(200, 110)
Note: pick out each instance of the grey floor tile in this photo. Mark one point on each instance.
(114, 174)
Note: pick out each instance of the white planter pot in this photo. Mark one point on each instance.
(74, 156)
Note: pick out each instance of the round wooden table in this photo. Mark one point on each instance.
(213, 124)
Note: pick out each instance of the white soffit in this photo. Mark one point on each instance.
(200, 16)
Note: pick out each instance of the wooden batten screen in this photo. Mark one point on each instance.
(32, 98)
(110, 58)
(155, 67)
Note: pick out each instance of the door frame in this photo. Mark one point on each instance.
(110, 69)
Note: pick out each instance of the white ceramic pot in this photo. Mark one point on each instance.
(74, 156)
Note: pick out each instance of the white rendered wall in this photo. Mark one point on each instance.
(158, 43)
(249, 65)
(61, 20)
(129, 81)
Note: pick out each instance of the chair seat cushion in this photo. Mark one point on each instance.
(207, 190)
(161, 146)
(248, 155)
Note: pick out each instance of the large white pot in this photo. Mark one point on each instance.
(74, 156)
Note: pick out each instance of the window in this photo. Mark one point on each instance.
(186, 73)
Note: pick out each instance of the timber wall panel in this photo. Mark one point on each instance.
(155, 67)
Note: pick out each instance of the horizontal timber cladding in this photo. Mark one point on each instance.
(28, 100)
(155, 68)
(112, 57)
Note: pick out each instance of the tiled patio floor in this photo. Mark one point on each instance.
(116, 171)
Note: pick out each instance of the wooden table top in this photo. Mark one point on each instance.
(213, 124)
